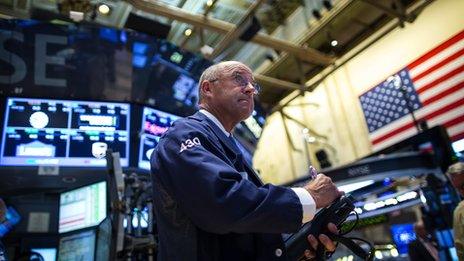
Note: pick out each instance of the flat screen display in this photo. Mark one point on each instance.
(83, 207)
(63, 133)
(165, 76)
(402, 235)
(154, 124)
(79, 246)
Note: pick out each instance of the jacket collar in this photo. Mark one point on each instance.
(219, 133)
(225, 140)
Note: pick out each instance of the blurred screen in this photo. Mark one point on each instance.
(165, 76)
(83, 207)
(103, 241)
(78, 61)
(154, 124)
(444, 238)
(78, 246)
(48, 254)
(64, 133)
(402, 235)
(12, 218)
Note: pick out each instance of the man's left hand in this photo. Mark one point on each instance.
(325, 240)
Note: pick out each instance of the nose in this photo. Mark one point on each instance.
(249, 88)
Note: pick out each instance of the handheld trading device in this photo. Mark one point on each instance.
(336, 213)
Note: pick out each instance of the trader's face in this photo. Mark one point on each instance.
(458, 182)
(233, 93)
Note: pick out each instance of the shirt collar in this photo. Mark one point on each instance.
(215, 120)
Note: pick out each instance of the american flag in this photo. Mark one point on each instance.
(431, 86)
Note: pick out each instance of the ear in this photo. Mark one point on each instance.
(206, 88)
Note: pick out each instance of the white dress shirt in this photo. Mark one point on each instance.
(307, 202)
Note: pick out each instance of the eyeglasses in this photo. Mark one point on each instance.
(243, 82)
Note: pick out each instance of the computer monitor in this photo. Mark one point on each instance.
(165, 76)
(402, 235)
(48, 254)
(103, 249)
(77, 246)
(154, 124)
(83, 207)
(63, 133)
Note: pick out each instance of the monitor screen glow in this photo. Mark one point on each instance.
(402, 235)
(83, 207)
(63, 133)
(103, 247)
(79, 246)
(154, 124)
(48, 254)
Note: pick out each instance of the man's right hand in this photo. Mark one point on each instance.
(323, 190)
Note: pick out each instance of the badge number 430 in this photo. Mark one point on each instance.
(189, 144)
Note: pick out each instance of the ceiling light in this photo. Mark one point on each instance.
(188, 32)
(76, 16)
(334, 43)
(104, 9)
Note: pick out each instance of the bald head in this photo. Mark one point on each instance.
(219, 70)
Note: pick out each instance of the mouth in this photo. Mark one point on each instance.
(244, 100)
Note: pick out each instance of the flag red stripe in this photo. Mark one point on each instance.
(438, 65)
(441, 95)
(438, 49)
(457, 136)
(445, 109)
(393, 133)
(441, 79)
(454, 121)
(411, 124)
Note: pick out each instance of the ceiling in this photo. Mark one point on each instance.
(292, 47)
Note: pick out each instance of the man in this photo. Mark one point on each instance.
(209, 203)
(455, 173)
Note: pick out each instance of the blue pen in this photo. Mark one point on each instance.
(312, 172)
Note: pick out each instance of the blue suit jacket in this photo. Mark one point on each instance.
(205, 206)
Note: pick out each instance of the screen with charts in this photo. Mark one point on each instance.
(83, 207)
(63, 133)
(78, 246)
(154, 124)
